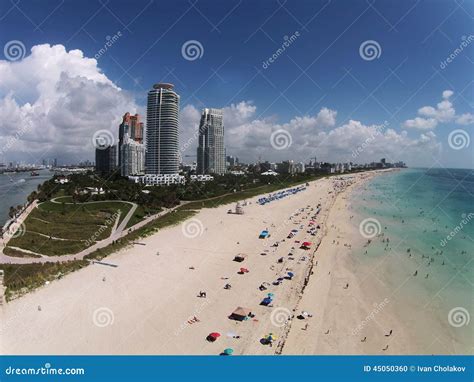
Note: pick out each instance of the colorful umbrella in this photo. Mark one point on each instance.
(228, 351)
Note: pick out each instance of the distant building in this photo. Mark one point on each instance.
(132, 154)
(106, 159)
(158, 179)
(269, 172)
(211, 152)
(132, 127)
(162, 151)
(299, 167)
(201, 178)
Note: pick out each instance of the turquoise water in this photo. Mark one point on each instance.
(427, 277)
(15, 188)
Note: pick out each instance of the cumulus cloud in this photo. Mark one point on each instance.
(443, 112)
(421, 123)
(248, 137)
(53, 101)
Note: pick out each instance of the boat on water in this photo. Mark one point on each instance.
(34, 173)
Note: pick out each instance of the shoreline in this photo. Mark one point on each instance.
(145, 293)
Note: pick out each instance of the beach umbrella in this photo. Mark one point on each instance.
(291, 274)
(228, 351)
(270, 294)
(215, 335)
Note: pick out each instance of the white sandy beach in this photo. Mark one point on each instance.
(143, 305)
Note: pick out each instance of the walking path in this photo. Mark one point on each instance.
(119, 233)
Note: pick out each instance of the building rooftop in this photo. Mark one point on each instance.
(163, 85)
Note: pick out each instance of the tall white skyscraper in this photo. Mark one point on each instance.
(162, 151)
(211, 151)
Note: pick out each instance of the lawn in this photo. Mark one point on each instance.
(80, 224)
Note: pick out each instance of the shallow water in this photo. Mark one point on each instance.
(427, 278)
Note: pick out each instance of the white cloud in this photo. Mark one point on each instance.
(421, 123)
(465, 119)
(54, 101)
(447, 94)
(443, 112)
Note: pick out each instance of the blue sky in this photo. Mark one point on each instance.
(322, 68)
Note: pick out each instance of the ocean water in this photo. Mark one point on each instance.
(422, 253)
(15, 188)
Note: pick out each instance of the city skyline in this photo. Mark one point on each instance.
(329, 94)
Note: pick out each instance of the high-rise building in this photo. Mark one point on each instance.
(106, 159)
(162, 151)
(211, 151)
(132, 154)
(131, 126)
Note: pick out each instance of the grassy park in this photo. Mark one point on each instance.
(55, 229)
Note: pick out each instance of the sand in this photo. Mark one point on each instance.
(146, 302)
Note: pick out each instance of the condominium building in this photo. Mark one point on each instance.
(162, 151)
(105, 158)
(132, 154)
(211, 152)
(132, 127)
